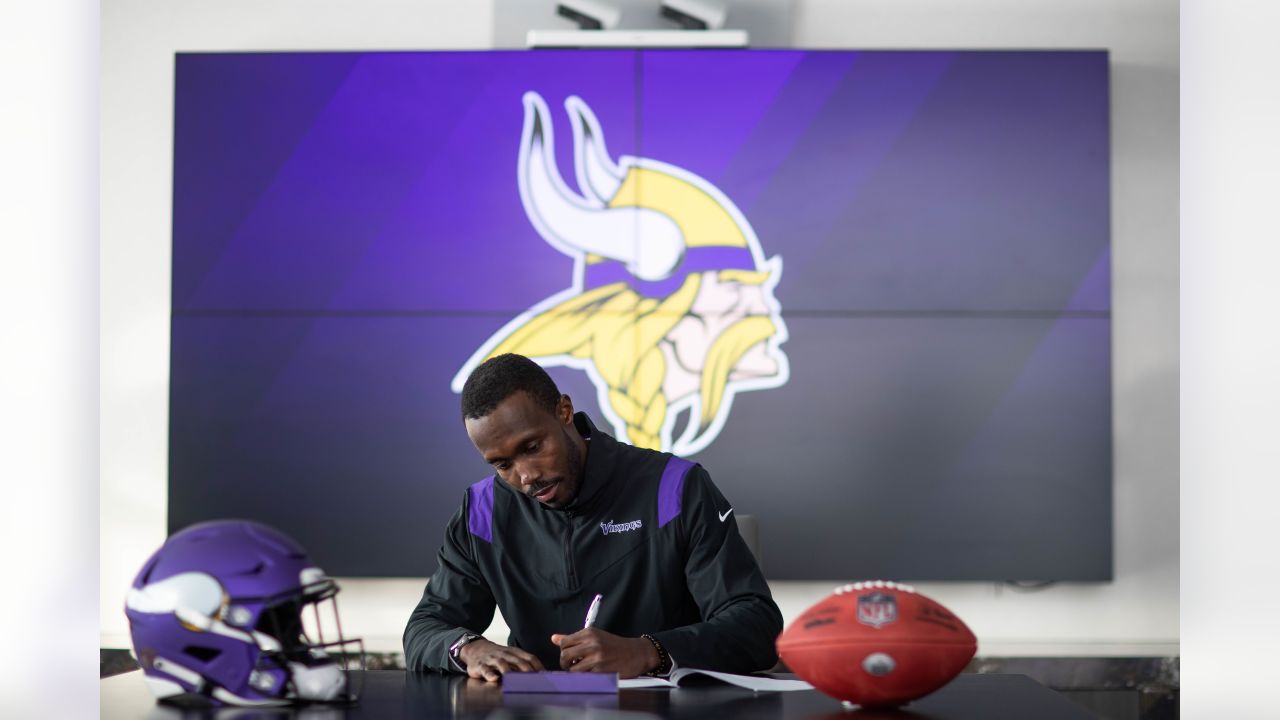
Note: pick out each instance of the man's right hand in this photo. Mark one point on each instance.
(487, 660)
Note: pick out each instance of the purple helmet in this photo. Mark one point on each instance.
(216, 615)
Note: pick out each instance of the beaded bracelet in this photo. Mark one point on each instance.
(664, 660)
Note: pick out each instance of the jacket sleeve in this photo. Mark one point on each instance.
(740, 622)
(456, 600)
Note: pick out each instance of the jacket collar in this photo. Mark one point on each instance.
(598, 471)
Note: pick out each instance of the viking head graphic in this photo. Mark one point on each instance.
(671, 308)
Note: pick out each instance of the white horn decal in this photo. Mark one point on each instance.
(649, 243)
(597, 175)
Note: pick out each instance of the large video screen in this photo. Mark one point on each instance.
(868, 291)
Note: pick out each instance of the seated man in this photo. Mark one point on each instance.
(572, 512)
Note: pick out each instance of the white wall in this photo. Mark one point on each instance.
(1136, 614)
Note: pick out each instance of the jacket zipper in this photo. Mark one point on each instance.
(568, 550)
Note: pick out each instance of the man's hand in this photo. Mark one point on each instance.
(487, 660)
(594, 650)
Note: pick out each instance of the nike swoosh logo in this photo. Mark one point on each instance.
(725, 515)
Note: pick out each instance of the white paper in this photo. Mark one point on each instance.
(644, 682)
(750, 682)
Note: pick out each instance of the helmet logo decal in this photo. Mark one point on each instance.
(196, 591)
(670, 310)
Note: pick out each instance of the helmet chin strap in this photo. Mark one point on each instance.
(321, 682)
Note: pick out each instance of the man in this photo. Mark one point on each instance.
(572, 512)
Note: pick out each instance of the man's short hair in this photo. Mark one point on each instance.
(500, 377)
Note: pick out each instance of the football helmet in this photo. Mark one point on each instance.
(229, 612)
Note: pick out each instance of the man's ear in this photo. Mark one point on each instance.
(564, 411)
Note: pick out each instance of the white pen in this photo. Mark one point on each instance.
(593, 611)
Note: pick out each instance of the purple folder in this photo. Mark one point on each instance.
(559, 682)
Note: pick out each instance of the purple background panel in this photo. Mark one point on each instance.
(348, 231)
(891, 181)
(399, 192)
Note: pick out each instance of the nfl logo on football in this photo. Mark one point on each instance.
(877, 609)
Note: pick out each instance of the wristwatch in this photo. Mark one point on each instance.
(455, 650)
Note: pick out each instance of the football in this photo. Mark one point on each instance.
(877, 644)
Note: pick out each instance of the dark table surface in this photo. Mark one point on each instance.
(399, 694)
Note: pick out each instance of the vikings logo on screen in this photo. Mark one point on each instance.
(670, 308)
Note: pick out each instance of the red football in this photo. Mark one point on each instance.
(877, 644)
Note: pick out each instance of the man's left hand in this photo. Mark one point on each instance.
(594, 650)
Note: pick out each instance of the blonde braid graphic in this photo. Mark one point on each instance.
(671, 308)
(616, 330)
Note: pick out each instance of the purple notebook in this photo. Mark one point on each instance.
(559, 682)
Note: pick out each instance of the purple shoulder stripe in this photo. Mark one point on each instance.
(480, 518)
(671, 489)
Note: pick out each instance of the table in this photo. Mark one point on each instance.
(389, 694)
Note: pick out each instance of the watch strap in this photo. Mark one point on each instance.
(455, 650)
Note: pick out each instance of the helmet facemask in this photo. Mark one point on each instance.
(311, 659)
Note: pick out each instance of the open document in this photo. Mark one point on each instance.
(750, 682)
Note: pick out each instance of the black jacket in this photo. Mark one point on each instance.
(649, 531)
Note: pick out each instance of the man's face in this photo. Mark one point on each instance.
(536, 452)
